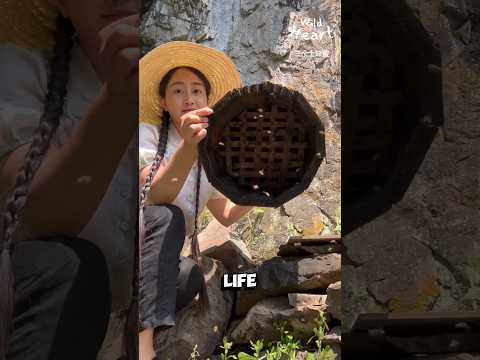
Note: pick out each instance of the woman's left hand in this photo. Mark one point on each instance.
(227, 212)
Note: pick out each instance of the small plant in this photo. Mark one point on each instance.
(285, 348)
(227, 345)
(322, 353)
(205, 218)
(257, 348)
(319, 330)
(326, 354)
(251, 230)
(195, 354)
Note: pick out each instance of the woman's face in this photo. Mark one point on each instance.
(185, 92)
(90, 16)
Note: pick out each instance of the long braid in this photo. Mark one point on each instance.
(162, 147)
(204, 303)
(53, 110)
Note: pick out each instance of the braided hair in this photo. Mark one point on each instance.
(53, 110)
(161, 149)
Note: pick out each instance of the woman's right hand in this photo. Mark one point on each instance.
(119, 55)
(193, 125)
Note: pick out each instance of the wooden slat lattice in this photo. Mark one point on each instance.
(264, 148)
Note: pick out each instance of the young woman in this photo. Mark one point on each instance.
(68, 153)
(179, 82)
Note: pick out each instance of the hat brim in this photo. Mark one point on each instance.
(217, 67)
(28, 23)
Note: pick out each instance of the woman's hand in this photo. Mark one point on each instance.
(193, 125)
(119, 56)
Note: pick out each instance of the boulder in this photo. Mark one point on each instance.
(233, 254)
(281, 276)
(193, 328)
(262, 318)
(246, 299)
(215, 242)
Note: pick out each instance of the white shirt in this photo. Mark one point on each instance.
(185, 200)
(24, 76)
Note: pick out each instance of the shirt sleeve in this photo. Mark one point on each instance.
(23, 90)
(148, 144)
(216, 194)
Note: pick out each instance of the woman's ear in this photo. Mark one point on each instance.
(163, 104)
(61, 6)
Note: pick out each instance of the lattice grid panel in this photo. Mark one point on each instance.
(264, 148)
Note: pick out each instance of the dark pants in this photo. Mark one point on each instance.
(168, 282)
(62, 300)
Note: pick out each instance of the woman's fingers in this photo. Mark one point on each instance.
(198, 114)
(205, 111)
(197, 127)
(200, 135)
(194, 119)
(119, 47)
(198, 120)
(194, 124)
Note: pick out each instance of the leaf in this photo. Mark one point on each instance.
(245, 356)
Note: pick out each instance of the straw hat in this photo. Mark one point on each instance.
(217, 67)
(28, 23)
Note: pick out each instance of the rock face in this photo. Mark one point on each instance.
(424, 253)
(193, 328)
(292, 43)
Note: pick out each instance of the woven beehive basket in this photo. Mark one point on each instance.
(264, 145)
